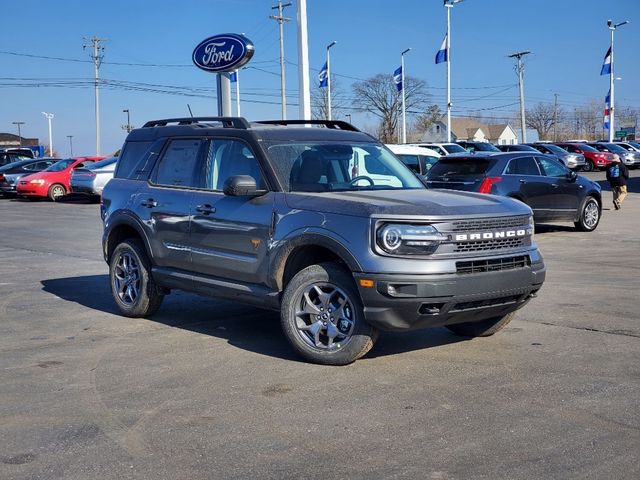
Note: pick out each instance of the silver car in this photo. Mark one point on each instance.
(574, 161)
(91, 179)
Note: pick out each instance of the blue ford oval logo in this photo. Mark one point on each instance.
(223, 53)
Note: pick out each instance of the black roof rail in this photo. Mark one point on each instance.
(334, 124)
(227, 122)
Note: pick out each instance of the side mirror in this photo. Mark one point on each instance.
(572, 176)
(241, 186)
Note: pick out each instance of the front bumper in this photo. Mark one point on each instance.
(408, 302)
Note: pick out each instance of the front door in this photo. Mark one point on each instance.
(230, 234)
(564, 192)
(531, 186)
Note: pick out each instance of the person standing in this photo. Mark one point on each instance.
(617, 175)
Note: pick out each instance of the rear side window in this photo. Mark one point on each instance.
(178, 165)
(458, 167)
(132, 159)
(522, 166)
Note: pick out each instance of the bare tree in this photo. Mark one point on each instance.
(589, 120)
(430, 116)
(543, 117)
(378, 95)
(320, 105)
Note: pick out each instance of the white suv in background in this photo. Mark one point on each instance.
(418, 159)
(443, 148)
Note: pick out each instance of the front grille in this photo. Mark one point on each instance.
(489, 223)
(490, 302)
(493, 265)
(489, 245)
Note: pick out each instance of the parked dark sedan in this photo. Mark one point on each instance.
(518, 147)
(12, 172)
(474, 147)
(551, 190)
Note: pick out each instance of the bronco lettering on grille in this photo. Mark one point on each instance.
(471, 237)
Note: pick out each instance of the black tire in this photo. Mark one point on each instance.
(483, 328)
(588, 166)
(589, 215)
(56, 192)
(311, 337)
(145, 297)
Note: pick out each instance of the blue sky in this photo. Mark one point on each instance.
(568, 39)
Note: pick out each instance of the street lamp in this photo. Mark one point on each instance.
(404, 110)
(449, 5)
(329, 80)
(19, 134)
(70, 137)
(348, 115)
(49, 117)
(612, 26)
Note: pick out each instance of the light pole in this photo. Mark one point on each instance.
(612, 26)
(49, 117)
(348, 115)
(19, 134)
(281, 19)
(404, 109)
(449, 5)
(97, 54)
(303, 62)
(520, 71)
(127, 127)
(329, 80)
(70, 137)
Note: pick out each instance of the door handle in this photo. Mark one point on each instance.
(523, 181)
(149, 203)
(554, 185)
(205, 209)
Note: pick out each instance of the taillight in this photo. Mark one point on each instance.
(488, 183)
(1, 177)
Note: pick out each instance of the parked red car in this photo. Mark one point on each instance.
(54, 181)
(592, 157)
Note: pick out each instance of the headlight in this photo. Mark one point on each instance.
(401, 239)
(37, 181)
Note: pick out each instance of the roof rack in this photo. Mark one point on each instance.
(227, 122)
(333, 124)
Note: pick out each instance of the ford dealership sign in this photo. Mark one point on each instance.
(223, 53)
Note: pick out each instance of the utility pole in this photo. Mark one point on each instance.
(19, 134)
(97, 54)
(70, 137)
(128, 126)
(404, 108)
(555, 118)
(612, 109)
(303, 62)
(281, 19)
(449, 5)
(49, 117)
(520, 72)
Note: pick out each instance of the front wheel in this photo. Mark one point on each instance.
(322, 316)
(588, 166)
(132, 286)
(589, 216)
(56, 192)
(484, 328)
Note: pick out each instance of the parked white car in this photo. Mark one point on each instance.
(443, 148)
(418, 159)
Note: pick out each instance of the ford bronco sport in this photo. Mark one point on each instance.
(271, 214)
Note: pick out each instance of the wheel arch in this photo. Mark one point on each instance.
(124, 229)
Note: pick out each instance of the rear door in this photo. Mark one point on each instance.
(229, 235)
(460, 173)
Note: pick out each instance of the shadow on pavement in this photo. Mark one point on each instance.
(248, 328)
(633, 185)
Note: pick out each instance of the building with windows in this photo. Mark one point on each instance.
(469, 129)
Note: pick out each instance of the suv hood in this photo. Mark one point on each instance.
(407, 202)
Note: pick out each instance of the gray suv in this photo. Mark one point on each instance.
(317, 220)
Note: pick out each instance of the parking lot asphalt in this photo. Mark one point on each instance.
(208, 389)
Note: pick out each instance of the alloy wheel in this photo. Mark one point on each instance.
(591, 215)
(126, 279)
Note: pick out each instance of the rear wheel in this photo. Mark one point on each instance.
(483, 328)
(588, 166)
(589, 215)
(56, 192)
(132, 286)
(322, 316)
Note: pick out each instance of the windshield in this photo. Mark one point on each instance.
(586, 148)
(610, 147)
(61, 165)
(485, 147)
(555, 148)
(635, 144)
(454, 148)
(457, 167)
(328, 167)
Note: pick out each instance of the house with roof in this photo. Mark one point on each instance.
(469, 129)
(9, 140)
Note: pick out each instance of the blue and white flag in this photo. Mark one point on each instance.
(397, 78)
(443, 53)
(606, 66)
(233, 76)
(607, 108)
(323, 77)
